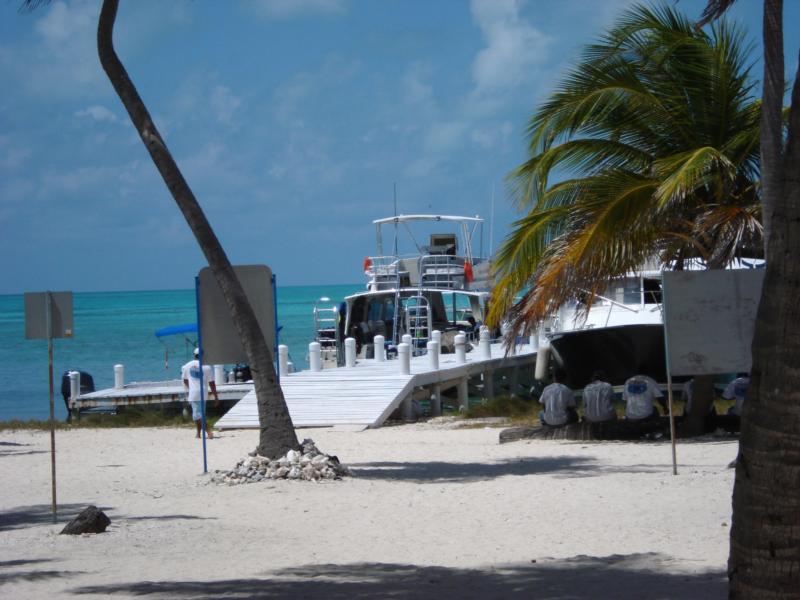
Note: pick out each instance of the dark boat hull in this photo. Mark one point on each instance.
(621, 352)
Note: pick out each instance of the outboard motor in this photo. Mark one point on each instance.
(242, 373)
(86, 386)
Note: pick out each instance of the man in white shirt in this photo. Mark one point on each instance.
(737, 390)
(559, 404)
(597, 396)
(190, 373)
(638, 394)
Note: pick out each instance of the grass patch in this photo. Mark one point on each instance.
(129, 417)
(513, 408)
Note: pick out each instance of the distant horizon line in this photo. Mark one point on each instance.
(142, 291)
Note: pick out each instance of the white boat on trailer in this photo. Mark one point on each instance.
(622, 333)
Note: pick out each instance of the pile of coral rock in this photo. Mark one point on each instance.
(306, 464)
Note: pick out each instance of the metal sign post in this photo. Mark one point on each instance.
(48, 315)
(669, 388)
(202, 378)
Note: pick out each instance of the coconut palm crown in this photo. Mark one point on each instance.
(647, 150)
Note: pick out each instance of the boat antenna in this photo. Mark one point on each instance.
(394, 184)
(491, 226)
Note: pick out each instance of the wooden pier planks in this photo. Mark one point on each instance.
(367, 393)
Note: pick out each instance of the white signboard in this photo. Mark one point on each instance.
(221, 343)
(709, 318)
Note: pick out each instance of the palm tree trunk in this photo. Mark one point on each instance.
(277, 432)
(771, 116)
(764, 559)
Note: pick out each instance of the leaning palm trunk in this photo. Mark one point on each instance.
(277, 432)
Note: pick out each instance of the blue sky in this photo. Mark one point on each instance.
(291, 119)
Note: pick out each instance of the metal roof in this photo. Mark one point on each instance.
(406, 218)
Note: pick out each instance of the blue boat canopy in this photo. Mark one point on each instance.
(176, 329)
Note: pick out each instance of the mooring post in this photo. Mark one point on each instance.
(315, 356)
(436, 336)
(485, 343)
(404, 356)
(461, 348)
(350, 352)
(283, 360)
(433, 355)
(119, 377)
(379, 348)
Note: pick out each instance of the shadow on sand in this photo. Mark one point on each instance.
(38, 514)
(7, 576)
(636, 576)
(452, 472)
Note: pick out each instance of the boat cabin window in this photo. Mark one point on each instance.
(629, 291)
(443, 243)
(652, 291)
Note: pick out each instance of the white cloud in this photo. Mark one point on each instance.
(98, 113)
(224, 103)
(514, 47)
(65, 62)
(12, 156)
(290, 9)
(416, 84)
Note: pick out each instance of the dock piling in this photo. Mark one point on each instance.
(283, 360)
(379, 342)
(436, 336)
(433, 354)
(461, 348)
(404, 354)
(436, 401)
(315, 356)
(463, 394)
(350, 352)
(119, 377)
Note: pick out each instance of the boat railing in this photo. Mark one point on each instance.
(388, 271)
(442, 271)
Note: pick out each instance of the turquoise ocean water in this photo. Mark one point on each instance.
(119, 327)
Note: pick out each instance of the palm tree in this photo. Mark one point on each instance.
(277, 434)
(764, 559)
(654, 135)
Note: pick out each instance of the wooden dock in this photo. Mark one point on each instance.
(370, 392)
(148, 393)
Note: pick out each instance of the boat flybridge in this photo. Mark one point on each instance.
(434, 278)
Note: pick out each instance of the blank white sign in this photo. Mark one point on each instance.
(221, 343)
(709, 318)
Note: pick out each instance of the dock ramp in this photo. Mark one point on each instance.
(370, 392)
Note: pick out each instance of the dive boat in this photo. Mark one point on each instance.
(443, 285)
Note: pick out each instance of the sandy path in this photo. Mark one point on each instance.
(433, 512)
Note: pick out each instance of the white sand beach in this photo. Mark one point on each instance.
(432, 512)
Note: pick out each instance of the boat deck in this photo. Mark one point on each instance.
(370, 392)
